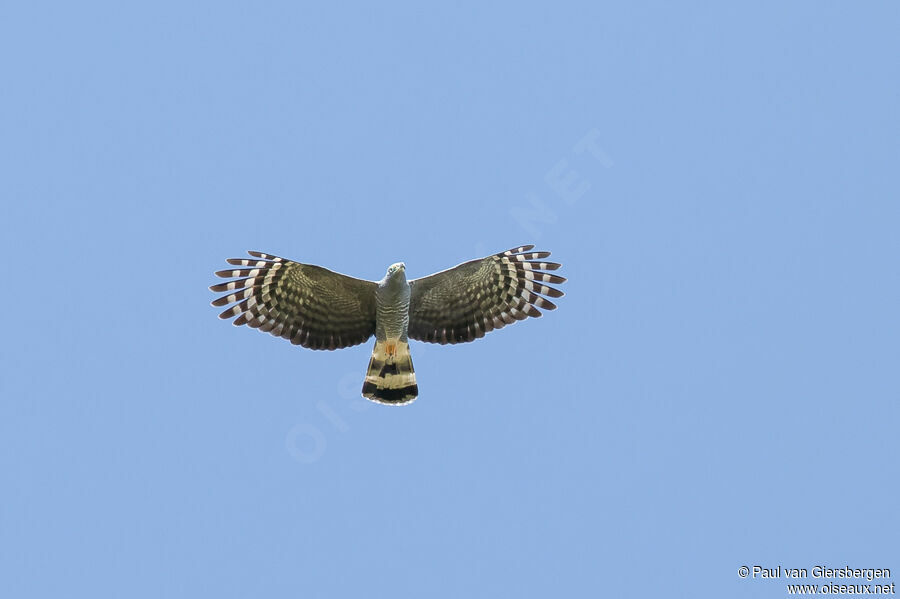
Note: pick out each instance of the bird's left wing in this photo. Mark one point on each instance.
(465, 302)
(308, 305)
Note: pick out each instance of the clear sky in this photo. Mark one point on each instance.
(718, 388)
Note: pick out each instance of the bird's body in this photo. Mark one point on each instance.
(392, 305)
(320, 309)
(391, 377)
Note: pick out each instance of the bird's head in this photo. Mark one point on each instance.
(396, 272)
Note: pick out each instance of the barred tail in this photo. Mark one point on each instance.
(391, 378)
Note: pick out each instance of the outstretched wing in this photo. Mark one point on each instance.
(465, 302)
(309, 305)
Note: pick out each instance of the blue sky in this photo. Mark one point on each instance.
(718, 388)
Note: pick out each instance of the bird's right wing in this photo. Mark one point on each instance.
(465, 302)
(308, 305)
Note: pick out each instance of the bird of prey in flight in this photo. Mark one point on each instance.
(321, 309)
